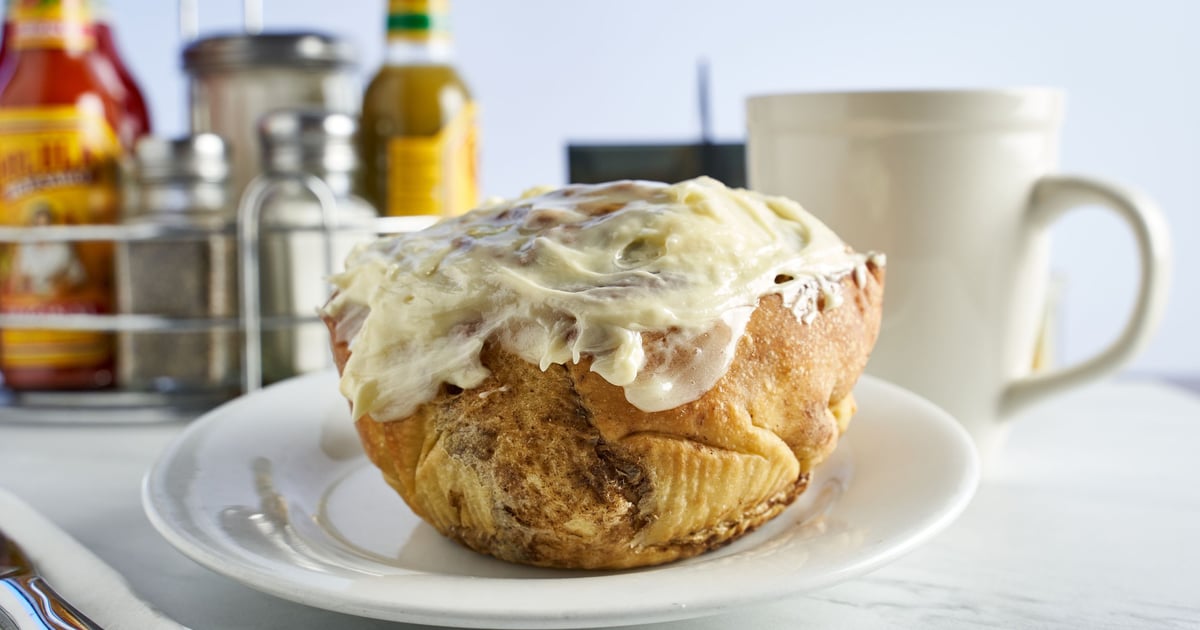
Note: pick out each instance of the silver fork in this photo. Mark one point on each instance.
(27, 602)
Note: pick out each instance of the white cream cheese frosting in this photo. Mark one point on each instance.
(581, 271)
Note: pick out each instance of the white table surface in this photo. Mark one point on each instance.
(1093, 521)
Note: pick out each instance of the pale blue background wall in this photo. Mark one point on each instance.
(551, 70)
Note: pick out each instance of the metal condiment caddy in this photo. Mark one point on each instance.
(124, 405)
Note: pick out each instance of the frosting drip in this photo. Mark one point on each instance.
(581, 271)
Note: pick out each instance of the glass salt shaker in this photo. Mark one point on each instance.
(298, 145)
(188, 271)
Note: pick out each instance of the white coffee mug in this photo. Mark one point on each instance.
(958, 189)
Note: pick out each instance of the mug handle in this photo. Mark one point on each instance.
(1052, 197)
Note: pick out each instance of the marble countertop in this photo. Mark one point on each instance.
(1089, 522)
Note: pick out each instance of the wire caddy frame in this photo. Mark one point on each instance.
(120, 405)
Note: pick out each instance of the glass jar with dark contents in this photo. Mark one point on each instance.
(189, 274)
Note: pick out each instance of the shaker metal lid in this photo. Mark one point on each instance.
(202, 157)
(308, 139)
(233, 52)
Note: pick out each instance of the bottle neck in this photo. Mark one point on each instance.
(101, 14)
(341, 183)
(50, 25)
(418, 31)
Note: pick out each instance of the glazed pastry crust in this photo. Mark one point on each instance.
(557, 469)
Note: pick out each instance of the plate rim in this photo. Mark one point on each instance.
(191, 545)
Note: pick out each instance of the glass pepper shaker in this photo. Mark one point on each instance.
(190, 272)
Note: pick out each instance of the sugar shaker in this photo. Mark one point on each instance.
(234, 79)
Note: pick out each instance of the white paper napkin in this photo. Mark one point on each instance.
(77, 574)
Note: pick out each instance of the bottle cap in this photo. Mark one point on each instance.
(203, 157)
(224, 53)
(308, 140)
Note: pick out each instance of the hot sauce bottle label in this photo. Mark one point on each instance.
(58, 166)
(45, 24)
(435, 175)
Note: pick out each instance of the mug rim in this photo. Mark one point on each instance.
(1017, 106)
(915, 92)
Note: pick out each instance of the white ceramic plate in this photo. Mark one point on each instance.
(273, 491)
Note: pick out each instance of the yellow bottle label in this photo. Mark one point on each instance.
(435, 175)
(65, 24)
(58, 166)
